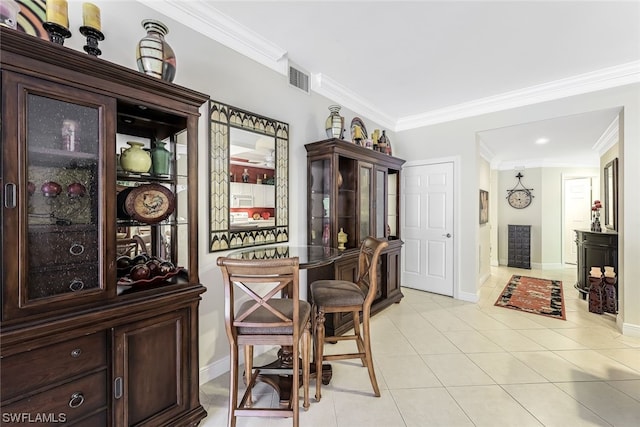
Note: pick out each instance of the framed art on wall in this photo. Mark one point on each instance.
(484, 207)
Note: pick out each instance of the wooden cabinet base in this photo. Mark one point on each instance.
(133, 363)
(345, 268)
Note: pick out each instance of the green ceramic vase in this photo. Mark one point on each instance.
(160, 159)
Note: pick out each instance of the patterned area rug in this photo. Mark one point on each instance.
(533, 295)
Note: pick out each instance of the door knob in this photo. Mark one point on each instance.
(448, 235)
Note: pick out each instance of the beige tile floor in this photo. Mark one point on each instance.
(444, 362)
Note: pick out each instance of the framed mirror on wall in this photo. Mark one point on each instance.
(249, 179)
(611, 195)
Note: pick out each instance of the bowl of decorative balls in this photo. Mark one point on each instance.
(144, 270)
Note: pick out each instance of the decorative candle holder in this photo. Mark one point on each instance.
(57, 33)
(93, 37)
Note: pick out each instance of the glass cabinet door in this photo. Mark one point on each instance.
(393, 196)
(320, 202)
(58, 187)
(63, 182)
(365, 182)
(380, 203)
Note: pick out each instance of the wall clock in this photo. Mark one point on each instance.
(519, 198)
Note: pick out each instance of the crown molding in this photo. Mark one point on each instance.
(329, 88)
(209, 21)
(214, 24)
(608, 138)
(539, 163)
(605, 78)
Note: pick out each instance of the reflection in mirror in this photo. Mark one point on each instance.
(611, 194)
(252, 175)
(248, 162)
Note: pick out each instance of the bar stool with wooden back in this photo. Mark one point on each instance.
(272, 314)
(340, 296)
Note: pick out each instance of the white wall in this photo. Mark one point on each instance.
(531, 215)
(545, 213)
(209, 67)
(484, 230)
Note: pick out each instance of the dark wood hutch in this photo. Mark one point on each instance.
(356, 190)
(76, 342)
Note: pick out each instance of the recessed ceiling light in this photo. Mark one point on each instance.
(542, 141)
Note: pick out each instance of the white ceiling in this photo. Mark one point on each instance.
(407, 64)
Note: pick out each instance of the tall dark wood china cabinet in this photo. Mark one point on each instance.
(80, 344)
(354, 190)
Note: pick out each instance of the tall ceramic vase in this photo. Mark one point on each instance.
(160, 159)
(153, 54)
(335, 123)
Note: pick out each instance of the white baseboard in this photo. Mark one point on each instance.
(631, 330)
(537, 265)
(468, 296)
(483, 278)
(214, 370)
(547, 266)
(220, 367)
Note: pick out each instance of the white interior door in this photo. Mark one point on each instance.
(577, 213)
(427, 227)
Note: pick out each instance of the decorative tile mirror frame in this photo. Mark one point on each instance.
(223, 120)
(611, 194)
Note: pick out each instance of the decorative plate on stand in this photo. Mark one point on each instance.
(357, 121)
(148, 203)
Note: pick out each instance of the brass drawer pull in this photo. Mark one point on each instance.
(76, 400)
(76, 285)
(76, 353)
(76, 249)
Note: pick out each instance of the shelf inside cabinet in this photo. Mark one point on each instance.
(61, 158)
(147, 122)
(133, 223)
(144, 177)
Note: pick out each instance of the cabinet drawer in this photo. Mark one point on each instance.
(33, 369)
(71, 401)
(96, 420)
(55, 281)
(62, 248)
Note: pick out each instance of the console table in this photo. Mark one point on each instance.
(595, 249)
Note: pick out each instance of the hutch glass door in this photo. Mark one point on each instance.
(365, 183)
(63, 183)
(320, 193)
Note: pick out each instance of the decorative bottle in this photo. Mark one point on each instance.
(134, 158)
(160, 159)
(335, 123)
(325, 235)
(382, 142)
(153, 54)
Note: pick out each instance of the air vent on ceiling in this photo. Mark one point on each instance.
(298, 79)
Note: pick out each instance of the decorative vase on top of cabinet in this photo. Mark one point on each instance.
(356, 190)
(80, 336)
